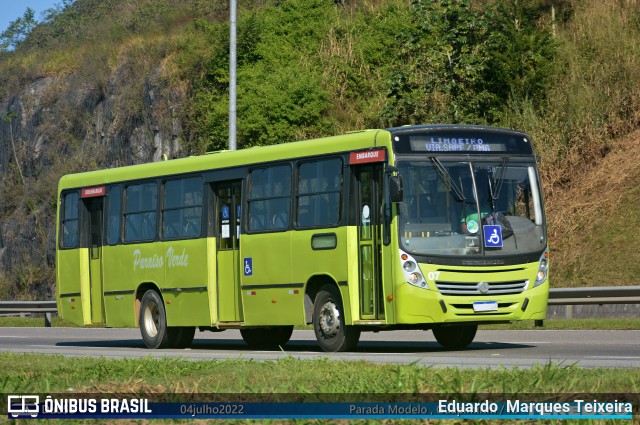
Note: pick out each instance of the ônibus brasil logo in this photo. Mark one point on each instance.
(23, 406)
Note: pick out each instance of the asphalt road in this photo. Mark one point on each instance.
(490, 348)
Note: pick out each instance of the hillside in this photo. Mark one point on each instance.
(593, 221)
(105, 83)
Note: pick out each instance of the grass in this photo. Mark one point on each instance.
(614, 242)
(46, 373)
(572, 324)
(289, 379)
(294, 380)
(34, 322)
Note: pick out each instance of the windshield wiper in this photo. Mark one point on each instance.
(447, 180)
(495, 191)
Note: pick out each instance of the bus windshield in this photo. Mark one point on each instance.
(447, 205)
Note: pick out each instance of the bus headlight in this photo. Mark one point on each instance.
(412, 272)
(409, 266)
(543, 269)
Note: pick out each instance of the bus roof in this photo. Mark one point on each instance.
(222, 159)
(453, 127)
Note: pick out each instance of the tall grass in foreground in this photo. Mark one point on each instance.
(45, 373)
(348, 381)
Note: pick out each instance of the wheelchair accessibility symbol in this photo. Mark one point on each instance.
(492, 236)
(225, 212)
(248, 266)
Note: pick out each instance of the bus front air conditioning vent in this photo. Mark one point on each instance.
(482, 288)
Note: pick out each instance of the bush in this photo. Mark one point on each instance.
(280, 97)
(465, 64)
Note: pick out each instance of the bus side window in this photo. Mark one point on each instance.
(70, 220)
(115, 211)
(140, 212)
(182, 208)
(269, 199)
(319, 195)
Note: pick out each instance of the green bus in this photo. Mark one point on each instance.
(437, 227)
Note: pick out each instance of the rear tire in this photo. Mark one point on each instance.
(153, 322)
(183, 336)
(328, 322)
(455, 337)
(273, 336)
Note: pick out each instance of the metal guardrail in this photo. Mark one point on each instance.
(17, 307)
(595, 295)
(557, 296)
(28, 307)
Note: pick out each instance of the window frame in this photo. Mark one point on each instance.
(127, 186)
(163, 208)
(120, 214)
(63, 210)
(317, 193)
(249, 200)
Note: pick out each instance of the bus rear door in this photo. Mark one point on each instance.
(228, 196)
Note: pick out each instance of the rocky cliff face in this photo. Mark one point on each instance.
(52, 126)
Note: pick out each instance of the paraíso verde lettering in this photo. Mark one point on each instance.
(175, 260)
(155, 261)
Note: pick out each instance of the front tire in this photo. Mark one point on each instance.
(153, 322)
(332, 333)
(455, 337)
(268, 336)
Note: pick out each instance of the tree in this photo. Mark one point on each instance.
(463, 64)
(18, 30)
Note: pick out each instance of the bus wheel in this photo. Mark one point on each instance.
(328, 322)
(270, 337)
(455, 337)
(153, 322)
(183, 336)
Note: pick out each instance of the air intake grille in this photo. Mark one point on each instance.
(482, 288)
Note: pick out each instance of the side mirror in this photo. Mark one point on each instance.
(396, 190)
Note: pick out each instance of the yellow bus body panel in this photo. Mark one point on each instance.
(73, 286)
(212, 280)
(268, 293)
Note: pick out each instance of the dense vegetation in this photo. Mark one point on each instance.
(567, 72)
(309, 68)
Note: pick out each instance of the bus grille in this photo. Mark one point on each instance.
(482, 288)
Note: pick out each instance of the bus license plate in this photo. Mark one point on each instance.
(479, 306)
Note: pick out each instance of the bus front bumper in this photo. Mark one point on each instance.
(416, 305)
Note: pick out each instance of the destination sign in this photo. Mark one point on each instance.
(462, 141)
(453, 144)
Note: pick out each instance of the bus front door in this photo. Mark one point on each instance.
(369, 201)
(228, 196)
(95, 227)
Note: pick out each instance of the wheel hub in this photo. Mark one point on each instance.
(151, 320)
(330, 319)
